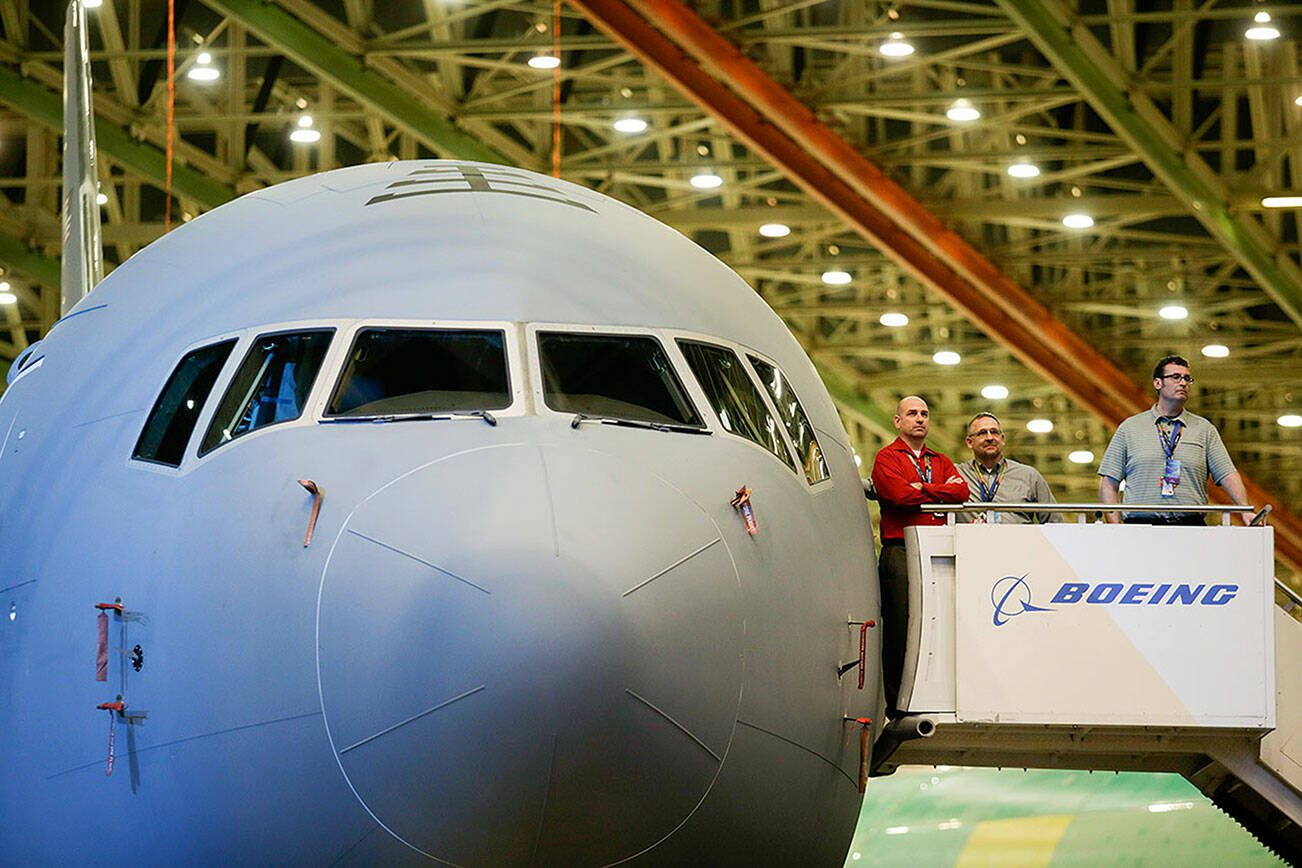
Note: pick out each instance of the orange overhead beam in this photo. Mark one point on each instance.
(711, 71)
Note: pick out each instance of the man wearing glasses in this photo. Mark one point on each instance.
(1166, 453)
(993, 478)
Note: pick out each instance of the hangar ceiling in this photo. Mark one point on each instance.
(1158, 120)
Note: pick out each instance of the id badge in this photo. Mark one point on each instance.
(1170, 477)
(996, 517)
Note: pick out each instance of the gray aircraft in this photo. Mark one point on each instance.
(389, 514)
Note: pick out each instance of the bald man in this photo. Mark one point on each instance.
(906, 474)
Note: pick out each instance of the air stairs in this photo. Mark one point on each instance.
(1108, 647)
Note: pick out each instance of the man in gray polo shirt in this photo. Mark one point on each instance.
(1166, 453)
(993, 478)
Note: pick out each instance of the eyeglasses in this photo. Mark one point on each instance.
(1179, 378)
(995, 432)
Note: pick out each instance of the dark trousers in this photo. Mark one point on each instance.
(893, 573)
(1192, 519)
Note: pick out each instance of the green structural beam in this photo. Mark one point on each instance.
(881, 419)
(17, 256)
(349, 73)
(1079, 56)
(45, 105)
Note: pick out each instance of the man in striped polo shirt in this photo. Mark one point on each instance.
(1166, 453)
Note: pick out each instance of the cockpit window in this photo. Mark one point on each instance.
(793, 416)
(177, 409)
(613, 377)
(271, 385)
(393, 371)
(740, 405)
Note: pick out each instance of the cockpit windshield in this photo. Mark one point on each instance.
(398, 371)
(613, 377)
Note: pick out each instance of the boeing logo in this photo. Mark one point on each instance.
(1011, 595)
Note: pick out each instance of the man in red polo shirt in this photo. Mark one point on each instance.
(906, 474)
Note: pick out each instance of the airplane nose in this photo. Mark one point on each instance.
(551, 616)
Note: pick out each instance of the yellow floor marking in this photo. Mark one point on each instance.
(1025, 842)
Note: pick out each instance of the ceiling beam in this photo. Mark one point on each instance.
(351, 75)
(676, 42)
(40, 103)
(1078, 55)
(17, 256)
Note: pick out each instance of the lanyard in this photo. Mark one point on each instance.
(1169, 442)
(923, 474)
(988, 496)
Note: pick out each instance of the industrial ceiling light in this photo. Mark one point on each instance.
(1261, 30)
(994, 392)
(1039, 426)
(544, 61)
(92, 4)
(775, 230)
(896, 46)
(836, 278)
(101, 198)
(1081, 456)
(706, 181)
(1290, 420)
(1282, 202)
(1078, 221)
(7, 297)
(305, 134)
(894, 320)
(1023, 169)
(1216, 351)
(963, 111)
(203, 71)
(630, 125)
(947, 358)
(1173, 312)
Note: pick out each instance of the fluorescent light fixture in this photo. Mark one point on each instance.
(896, 46)
(994, 392)
(951, 823)
(775, 230)
(963, 111)
(836, 278)
(1081, 456)
(544, 61)
(946, 357)
(1261, 30)
(305, 135)
(92, 4)
(1173, 312)
(203, 70)
(1290, 420)
(1282, 202)
(7, 297)
(1039, 426)
(706, 181)
(630, 125)
(1023, 169)
(1216, 351)
(101, 198)
(1078, 221)
(897, 830)
(894, 319)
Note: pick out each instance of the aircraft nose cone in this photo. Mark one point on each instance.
(530, 654)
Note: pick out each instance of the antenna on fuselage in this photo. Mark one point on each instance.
(83, 256)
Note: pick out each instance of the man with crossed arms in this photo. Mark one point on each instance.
(906, 474)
